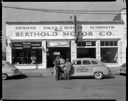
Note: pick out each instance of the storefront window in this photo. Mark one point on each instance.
(86, 52)
(109, 51)
(86, 49)
(26, 53)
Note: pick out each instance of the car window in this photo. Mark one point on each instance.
(78, 62)
(86, 62)
(94, 62)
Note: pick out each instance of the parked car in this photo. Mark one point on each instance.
(8, 70)
(89, 67)
(123, 69)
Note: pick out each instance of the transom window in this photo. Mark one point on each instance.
(108, 43)
(86, 43)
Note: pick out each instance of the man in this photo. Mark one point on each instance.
(67, 69)
(57, 67)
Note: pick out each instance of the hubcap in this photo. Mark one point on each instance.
(4, 76)
(98, 75)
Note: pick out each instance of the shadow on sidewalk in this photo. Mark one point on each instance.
(91, 77)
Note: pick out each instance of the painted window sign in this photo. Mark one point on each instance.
(82, 69)
(17, 44)
(36, 44)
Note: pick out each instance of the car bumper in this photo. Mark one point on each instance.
(122, 72)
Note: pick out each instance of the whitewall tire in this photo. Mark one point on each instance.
(98, 75)
(4, 76)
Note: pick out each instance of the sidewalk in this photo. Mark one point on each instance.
(48, 72)
(37, 72)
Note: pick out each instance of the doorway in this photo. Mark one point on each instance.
(52, 52)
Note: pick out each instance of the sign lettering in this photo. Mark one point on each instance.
(82, 70)
(62, 31)
(35, 34)
(26, 44)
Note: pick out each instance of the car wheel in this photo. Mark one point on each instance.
(4, 76)
(98, 75)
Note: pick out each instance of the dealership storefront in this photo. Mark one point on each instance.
(35, 45)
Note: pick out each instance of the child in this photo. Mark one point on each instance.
(67, 69)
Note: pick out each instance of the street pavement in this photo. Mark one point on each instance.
(46, 87)
(37, 72)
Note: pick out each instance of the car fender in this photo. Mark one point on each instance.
(7, 71)
(100, 69)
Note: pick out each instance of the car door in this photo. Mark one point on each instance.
(86, 68)
(95, 65)
(76, 66)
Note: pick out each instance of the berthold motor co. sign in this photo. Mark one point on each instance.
(62, 31)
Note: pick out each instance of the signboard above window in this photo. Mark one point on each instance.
(20, 45)
(58, 44)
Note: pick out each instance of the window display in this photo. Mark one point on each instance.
(109, 51)
(26, 53)
(86, 49)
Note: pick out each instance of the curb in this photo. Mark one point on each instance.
(49, 72)
(37, 73)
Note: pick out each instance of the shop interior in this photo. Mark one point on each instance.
(86, 52)
(52, 52)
